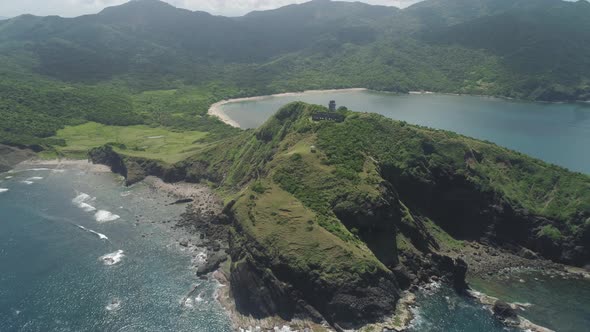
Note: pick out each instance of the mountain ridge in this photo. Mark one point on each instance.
(127, 51)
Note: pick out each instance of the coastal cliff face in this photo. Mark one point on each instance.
(331, 221)
(10, 156)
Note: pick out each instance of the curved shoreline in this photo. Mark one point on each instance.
(217, 111)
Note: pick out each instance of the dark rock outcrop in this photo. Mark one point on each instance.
(468, 212)
(504, 311)
(10, 156)
(265, 287)
(212, 264)
(134, 169)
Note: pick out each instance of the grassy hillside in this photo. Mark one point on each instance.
(327, 208)
(138, 141)
(332, 166)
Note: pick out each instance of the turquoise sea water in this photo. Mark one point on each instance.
(51, 274)
(556, 133)
(555, 302)
(443, 310)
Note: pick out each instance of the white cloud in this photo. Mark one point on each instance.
(70, 8)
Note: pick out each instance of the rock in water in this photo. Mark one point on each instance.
(504, 311)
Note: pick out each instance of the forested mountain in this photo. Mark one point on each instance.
(527, 49)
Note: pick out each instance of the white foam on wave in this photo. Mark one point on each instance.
(87, 207)
(3, 190)
(125, 193)
(114, 305)
(27, 182)
(200, 258)
(80, 201)
(8, 177)
(34, 178)
(100, 235)
(105, 216)
(112, 258)
(37, 169)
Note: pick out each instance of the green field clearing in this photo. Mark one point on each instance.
(138, 141)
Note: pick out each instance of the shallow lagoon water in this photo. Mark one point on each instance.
(556, 133)
(58, 274)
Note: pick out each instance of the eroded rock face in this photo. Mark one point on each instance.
(467, 212)
(263, 287)
(10, 156)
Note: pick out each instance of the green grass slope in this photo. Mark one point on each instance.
(343, 204)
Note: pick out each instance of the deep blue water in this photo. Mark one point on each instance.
(556, 133)
(51, 277)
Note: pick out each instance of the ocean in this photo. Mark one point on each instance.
(81, 252)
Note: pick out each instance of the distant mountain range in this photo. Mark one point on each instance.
(526, 49)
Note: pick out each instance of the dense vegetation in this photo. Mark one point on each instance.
(330, 166)
(147, 62)
(330, 207)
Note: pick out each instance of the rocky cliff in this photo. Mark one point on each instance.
(10, 156)
(331, 221)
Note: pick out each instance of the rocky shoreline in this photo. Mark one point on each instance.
(11, 156)
(207, 226)
(488, 261)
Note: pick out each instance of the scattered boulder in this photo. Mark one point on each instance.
(528, 254)
(504, 311)
(212, 263)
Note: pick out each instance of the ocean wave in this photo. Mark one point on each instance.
(80, 201)
(27, 182)
(114, 305)
(100, 235)
(8, 177)
(125, 193)
(112, 258)
(34, 178)
(87, 207)
(200, 258)
(3, 190)
(105, 216)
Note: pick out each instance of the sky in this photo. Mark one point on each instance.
(70, 8)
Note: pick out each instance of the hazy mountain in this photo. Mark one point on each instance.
(530, 49)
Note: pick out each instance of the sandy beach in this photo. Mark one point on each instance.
(62, 163)
(217, 108)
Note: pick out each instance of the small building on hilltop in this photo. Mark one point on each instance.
(332, 106)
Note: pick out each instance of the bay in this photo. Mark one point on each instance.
(555, 133)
